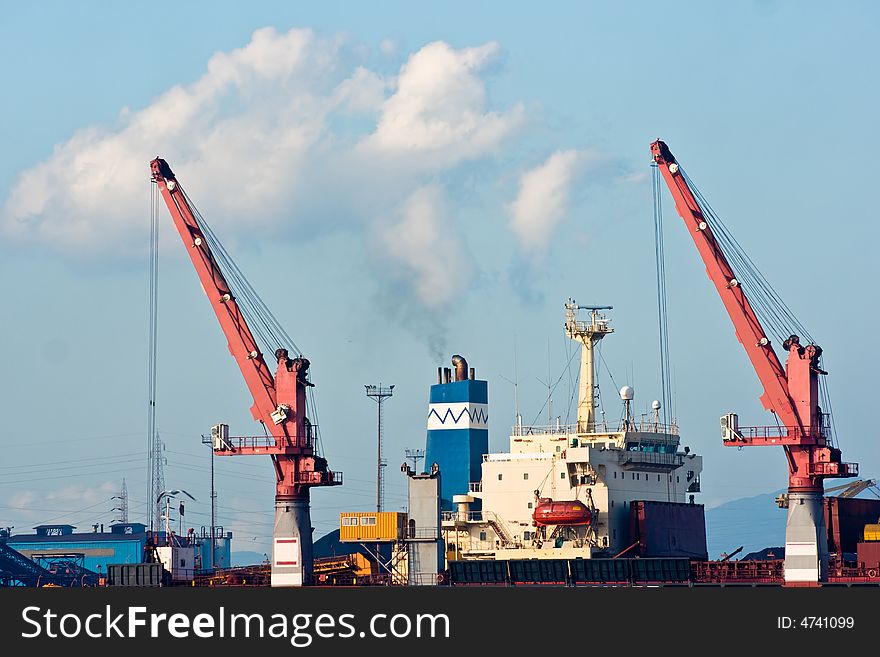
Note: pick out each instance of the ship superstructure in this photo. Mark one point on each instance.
(567, 491)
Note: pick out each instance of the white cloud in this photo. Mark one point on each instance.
(247, 123)
(288, 130)
(438, 113)
(427, 248)
(542, 201)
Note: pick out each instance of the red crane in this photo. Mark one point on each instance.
(279, 400)
(790, 392)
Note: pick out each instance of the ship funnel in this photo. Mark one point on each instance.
(461, 368)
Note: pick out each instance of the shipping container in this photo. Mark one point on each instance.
(137, 574)
(846, 518)
(869, 556)
(372, 526)
(872, 532)
(668, 529)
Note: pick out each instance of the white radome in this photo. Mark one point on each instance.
(627, 393)
(655, 405)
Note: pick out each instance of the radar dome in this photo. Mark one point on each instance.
(655, 405)
(627, 393)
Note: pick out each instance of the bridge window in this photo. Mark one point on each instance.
(350, 522)
(368, 521)
(482, 536)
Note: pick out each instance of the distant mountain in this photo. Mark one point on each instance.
(753, 522)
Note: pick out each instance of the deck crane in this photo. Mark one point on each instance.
(791, 393)
(279, 400)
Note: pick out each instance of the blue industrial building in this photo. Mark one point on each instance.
(458, 430)
(124, 543)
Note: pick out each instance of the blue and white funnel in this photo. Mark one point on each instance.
(458, 429)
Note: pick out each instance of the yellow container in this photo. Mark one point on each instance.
(371, 526)
(872, 532)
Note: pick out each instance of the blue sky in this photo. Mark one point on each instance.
(403, 182)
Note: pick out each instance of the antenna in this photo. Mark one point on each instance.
(548, 383)
(379, 394)
(518, 417)
(415, 455)
(549, 389)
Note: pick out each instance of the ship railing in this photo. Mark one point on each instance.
(455, 516)
(644, 425)
(475, 487)
(657, 459)
(238, 443)
(475, 545)
(422, 534)
(818, 434)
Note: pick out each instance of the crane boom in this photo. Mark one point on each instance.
(792, 393)
(279, 400)
(242, 345)
(776, 397)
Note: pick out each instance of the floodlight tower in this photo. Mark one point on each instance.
(379, 394)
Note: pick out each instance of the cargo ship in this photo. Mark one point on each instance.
(594, 488)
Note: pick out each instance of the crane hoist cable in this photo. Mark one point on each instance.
(662, 317)
(772, 311)
(257, 314)
(767, 302)
(266, 328)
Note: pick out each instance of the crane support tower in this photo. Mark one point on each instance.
(279, 400)
(791, 393)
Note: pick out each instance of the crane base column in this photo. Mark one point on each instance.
(806, 539)
(292, 543)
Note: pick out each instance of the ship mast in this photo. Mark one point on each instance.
(588, 334)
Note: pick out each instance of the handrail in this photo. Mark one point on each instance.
(643, 425)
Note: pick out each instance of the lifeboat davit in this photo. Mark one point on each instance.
(572, 512)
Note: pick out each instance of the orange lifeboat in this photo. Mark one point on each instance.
(572, 512)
